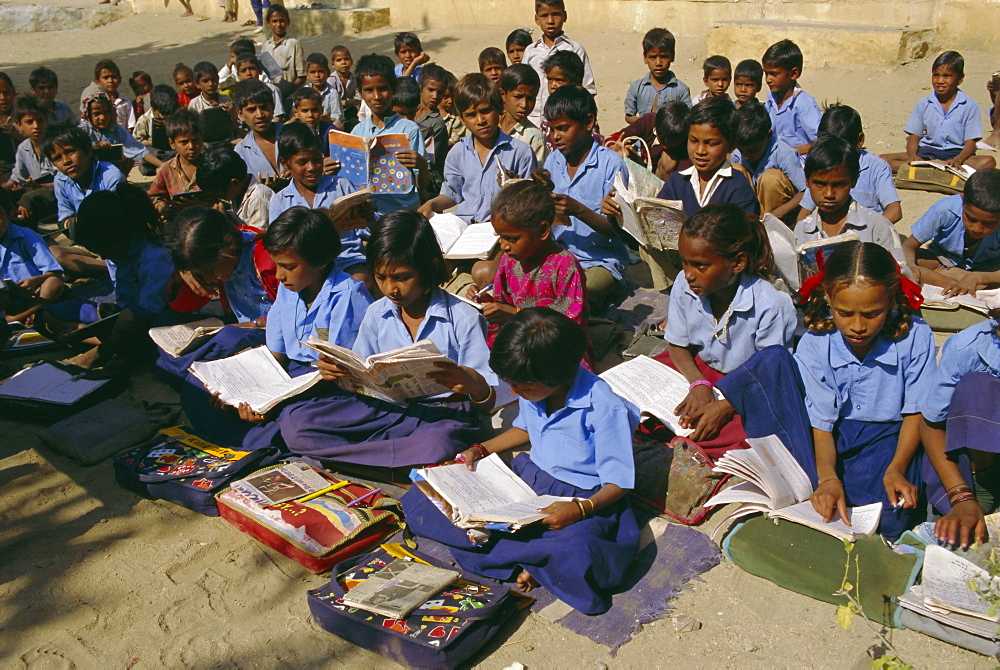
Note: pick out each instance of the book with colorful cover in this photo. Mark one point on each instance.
(371, 161)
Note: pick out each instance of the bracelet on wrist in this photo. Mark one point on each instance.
(963, 486)
(489, 396)
(700, 382)
(961, 498)
(480, 449)
(579, 505)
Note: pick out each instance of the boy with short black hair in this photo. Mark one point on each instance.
(665, 132)
(563, 68)
(287, 51)
(227, 73)
(717, 75)
(70, 151)
(410, 53)
(748, 79)
(206, 78)
(318, 76)
(255, 105)
(344, 82)
(33, 171)
(550, 16)
(433, 82)
(149, 128)
(794, 113)
(516, 43)
(491, 63)
(180, 173)
(108, 78)
(307, 108)
(659, 86)
(406, 98)
(773, 167)
(519, 87)
(44, 84)
(248, 67)
(223, 175)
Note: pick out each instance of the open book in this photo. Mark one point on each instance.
(795, 263)
(490, 493)
(399, 588)
(506, 177)
(652, 387)
(460, 240)
(270, 65)
(397, 376)
(653, 222)
(180, 339)
(947, 588)
(371, 161)
(981, 301)
(342, 205)
(964, 172)
(778, 486)
(49, 383)
(252, 377)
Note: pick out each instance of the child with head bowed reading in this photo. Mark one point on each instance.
(577, 428)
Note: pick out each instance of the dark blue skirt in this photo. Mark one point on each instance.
(581, 564)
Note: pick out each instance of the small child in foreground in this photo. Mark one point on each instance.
(660, 85)
(718, 74)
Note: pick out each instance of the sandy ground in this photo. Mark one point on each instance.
(94, 577)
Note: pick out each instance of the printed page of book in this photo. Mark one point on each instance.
(447, 229)
(48, 383)
(286, 482)
(387, 174)
(253, 377)
(660, 221)
(399, 588)
(791, 481)
(811, 253)
(352, 152)
(864, 519)
(338, 353)
(946, 583)
(964, 172)
(518, 513)
(783, 248)
(625, 199)
(982, 301)
(489, 486)
(477, 241)
(174, 339)
(345, 203)
(744, 492)
(914, 600)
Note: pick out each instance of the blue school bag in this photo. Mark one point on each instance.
(180, 467)
(443, 633)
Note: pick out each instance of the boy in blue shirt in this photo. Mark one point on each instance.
(772, 166)
(26, 262)
(794, 113)
(660, 86)
(44, 85)
(318, 75)
(410, 54)
(33, 172)
(255, 106)
(964, 251)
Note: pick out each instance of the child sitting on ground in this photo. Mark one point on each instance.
(180, 173)
(206, 78)
(575, 425)
(141, 84)
(187, 90)
(25, 260)
(307, 108)
(945, 125)
(223, 175)
(101, 125)
(343, 81)
(248, 67)
(318, 76)
(794, 113)
(665, 132)
(44, 84)
(491, 63)
(772, 166)
(150, 129)
(964, 235)
(748, 79)
(33, 174)
(286, 51)
(411, 55)
(433, 81)
(108, 79)
(227, 73)
(659, 86)
(718, 74)
(517, 41)
(255, 105)
(875, 189)
(519, 88)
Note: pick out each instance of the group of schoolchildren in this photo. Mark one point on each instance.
(861, 402)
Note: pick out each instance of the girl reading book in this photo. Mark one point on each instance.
(576, 426)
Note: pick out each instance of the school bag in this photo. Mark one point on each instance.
(675, 479)
(444, 633)
(319, 533)
(926, 177)
(104, 430)
(178, 466)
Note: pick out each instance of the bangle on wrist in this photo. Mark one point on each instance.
(480, 449)
(579, 505)
(489, 396)
(700, 382)
(961, 498)
(828, 479)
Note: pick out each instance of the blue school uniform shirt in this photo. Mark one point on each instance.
(797, 121)
(586, 442)
(395, 124)
(60, 113)
(591, 183)
(256, 161)
(975, 349)
(892, 380)
(643, 98)
(331, 103)
(945, 131)
(875, 189)
(778, 155)
(458, 331)
(472, 184)
(69, 194)
(727, 185)
(29, 165)
(759, 316)
(24, 254)
(335, 315)
(141, 278)
(416, 71)
(247, 298)
(132, 148)
(942, 225)
(330, 188)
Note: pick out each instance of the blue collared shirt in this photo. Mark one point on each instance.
(142, 277)
(975, 349)
(473, 184)
(759, 316)
(942, 224)
(61, 113)
(642, 94)
(335, 315)
(869, 225)
(247, 298)
(591, 183)
(456, 329)
(23, 254)
(331, 103)
(69, 194)
(945, 131)
(29, 165)
(587, 442)
(132, 148)
(779, 156)
(399, 71)
(891, 381)
(875, 189)
(257, 162)
(394, 124)
(797, 121)
(330, 188)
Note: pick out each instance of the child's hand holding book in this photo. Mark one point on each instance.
(329, 370)
(561, 514)
(461, 379)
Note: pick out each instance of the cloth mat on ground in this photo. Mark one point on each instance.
(643, 305)
(669, 557)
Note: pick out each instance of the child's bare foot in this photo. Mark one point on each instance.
(87, 360)
(525, 582)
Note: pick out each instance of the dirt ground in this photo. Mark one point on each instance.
(93, 577)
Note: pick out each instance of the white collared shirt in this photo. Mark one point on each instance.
(705, 197)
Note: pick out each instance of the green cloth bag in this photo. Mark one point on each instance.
(806, 561)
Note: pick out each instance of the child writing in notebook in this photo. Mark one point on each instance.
(343, 427)
(575, 425)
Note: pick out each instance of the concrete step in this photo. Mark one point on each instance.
(33, 18)
(822, 43)
(341, 21)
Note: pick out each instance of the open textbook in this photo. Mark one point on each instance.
(964, 172)
(653, 222)
(397, 376)
(490, 493)
(980, 301)
(778, 486)
(947, 584)
(399, 588)
(460, 240)
(371, 161)
(654, 388)
(795, 263)
(252, 377)
(180, 339)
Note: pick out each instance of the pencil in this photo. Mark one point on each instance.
(317, 494)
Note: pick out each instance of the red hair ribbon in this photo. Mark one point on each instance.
(914, 296)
